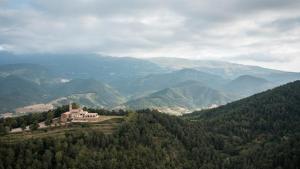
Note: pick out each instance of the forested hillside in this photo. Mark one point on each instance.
(262, 131)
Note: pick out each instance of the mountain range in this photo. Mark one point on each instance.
(173, 85)
(226, 69)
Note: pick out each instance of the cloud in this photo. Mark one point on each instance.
(257, 30)
(285, 24)
(259, 57)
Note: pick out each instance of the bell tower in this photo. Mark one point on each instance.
(70, 107)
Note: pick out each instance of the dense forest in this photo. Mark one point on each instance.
(262, 131)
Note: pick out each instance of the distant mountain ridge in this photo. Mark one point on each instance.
(170, 84)
(227, 69)
(247, 85)
(156, 82)
(84, 66)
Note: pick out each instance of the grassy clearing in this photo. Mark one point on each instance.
(107, 127)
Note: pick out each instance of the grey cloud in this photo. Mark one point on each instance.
(285, 23)
(265, 28)
(259, 57)
(255, 5)
(197, 10)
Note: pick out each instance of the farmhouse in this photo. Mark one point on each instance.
(78, 115)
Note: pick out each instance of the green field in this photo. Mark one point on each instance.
(107, 127)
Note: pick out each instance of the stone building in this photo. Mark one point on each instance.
(78, 115)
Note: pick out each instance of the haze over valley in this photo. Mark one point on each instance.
(172, 85)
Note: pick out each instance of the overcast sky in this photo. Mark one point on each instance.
(256, 32)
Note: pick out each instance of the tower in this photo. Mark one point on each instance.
(70, 107)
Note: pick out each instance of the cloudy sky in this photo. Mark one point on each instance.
(257, 32)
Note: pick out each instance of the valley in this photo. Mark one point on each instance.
(128, 83)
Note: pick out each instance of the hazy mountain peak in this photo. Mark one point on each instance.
(249, 78)
(247, 85)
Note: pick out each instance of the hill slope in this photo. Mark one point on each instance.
(181, 98)
(283, 100)
(247, 85)
(16, 91)
(264, 128)
(31, 72)
(88, 92)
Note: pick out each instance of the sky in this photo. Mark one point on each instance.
(256, 32)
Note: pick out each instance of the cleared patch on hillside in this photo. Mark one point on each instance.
(107, 127)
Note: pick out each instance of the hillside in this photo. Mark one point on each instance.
(181, 98)
(139, 142)
(261, 131)
(19, 90)
(279, 101)
(31, 72)
(247, 85)
(263, 128)
(88, 92)
(16, 91)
